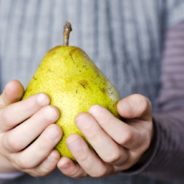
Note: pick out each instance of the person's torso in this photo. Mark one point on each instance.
(123, 37)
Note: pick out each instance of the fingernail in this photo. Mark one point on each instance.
(124, 107)
(52, 157)
(64, 164)
(54, 133)
(43, 99)
(52, 113)
(81, 118)
(85, 122)
(94, 109)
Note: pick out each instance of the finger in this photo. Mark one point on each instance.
(47, 166)
(134, 106)
(21, 136)
(134, 157)
(16, 113)
(86, 158)
(40, 148)
(122, 133)
(69, 168)
(101, 142)
(12, 92)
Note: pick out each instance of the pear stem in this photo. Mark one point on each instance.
(67, 30)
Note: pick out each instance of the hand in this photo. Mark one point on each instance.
(117, 144)
(28, 133)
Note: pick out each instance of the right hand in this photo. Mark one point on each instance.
(28, 133)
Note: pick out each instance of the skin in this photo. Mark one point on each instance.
(22, 149)
(117, 144)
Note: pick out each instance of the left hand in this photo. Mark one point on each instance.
(117, 144)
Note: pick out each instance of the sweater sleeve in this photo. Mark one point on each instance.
(170, 119)
(166, 157)
(4, 176)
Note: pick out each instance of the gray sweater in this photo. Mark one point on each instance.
(125, 39)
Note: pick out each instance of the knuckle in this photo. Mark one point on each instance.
(45, 144)
(115, 156)
(23, 164)
(126, 137)
(88, 125)
(93, 135)
(143, 102)
(12, 143)
(93, 132)
(31, 103)
(5, 117)
(50, 113)
(81, 154)
(83, 158)
(44, 147)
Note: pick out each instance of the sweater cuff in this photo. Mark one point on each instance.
(11, 175)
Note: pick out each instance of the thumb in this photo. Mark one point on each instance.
(135, 106)
(12, 92)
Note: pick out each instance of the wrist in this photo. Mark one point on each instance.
(6, 166)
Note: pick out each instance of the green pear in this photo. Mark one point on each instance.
(74, 84)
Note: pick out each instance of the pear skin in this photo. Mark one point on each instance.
(74, 84)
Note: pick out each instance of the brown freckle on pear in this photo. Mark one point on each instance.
(34, 77)
(103, 90)
(84, 83)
